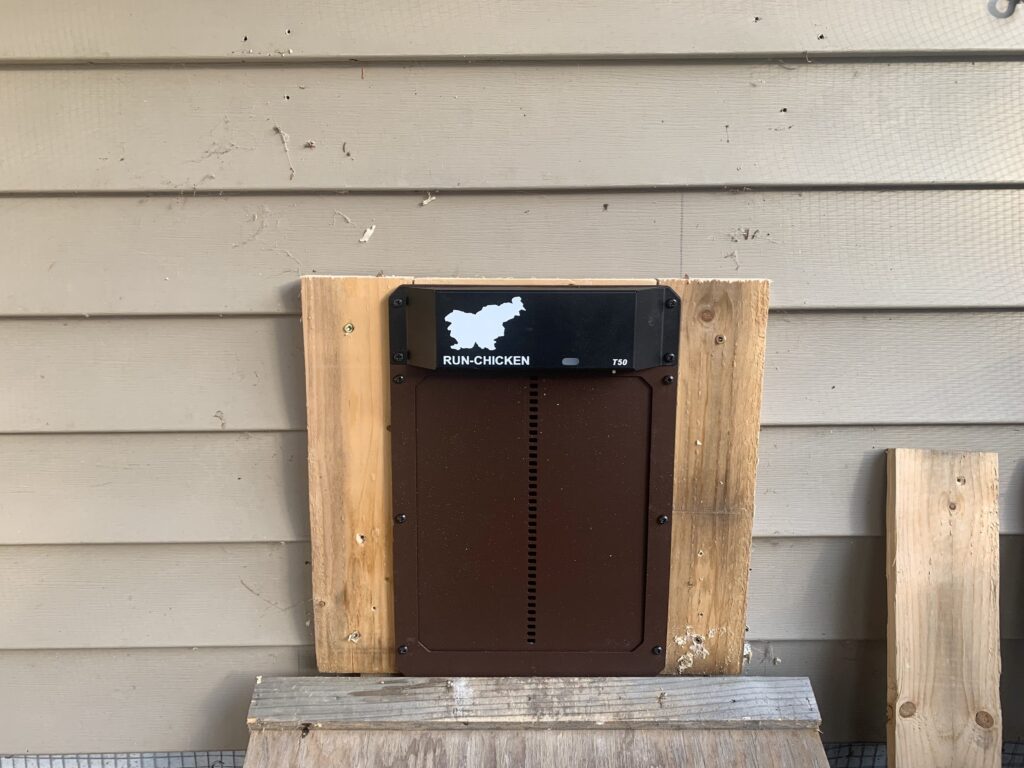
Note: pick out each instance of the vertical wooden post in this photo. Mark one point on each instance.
(345, 332)
(721, 371)
(942, 527)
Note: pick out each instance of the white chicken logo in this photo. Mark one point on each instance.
(484, 327)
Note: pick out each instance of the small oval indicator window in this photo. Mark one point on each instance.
(570, 361)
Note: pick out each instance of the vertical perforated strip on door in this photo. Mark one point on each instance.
(532, 507)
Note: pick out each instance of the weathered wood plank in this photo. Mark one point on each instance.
(138, 699)
(345, 326)
(317, 29)
(124, 596)
(538, 748)
(942, 568)
(355, 703)
(155, 488)
(721, 365)
(389, 127)
(243, 254)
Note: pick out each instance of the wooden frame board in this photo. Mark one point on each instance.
(309, 722)
(942, 562)
(721, 373)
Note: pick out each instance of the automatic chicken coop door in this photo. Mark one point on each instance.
(532, 436)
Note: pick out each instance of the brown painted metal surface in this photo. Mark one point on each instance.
(532, 521)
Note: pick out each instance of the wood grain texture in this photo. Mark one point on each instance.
(153, 488)
(135, 699)
(243, 254)
(317, 29)
(537, 748)
(942, 568)
(123, 596)
(721, 364)
(345, 328)
(390, 127)
(425, 703)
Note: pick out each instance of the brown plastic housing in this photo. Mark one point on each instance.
(532, 521)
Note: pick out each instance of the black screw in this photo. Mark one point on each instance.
(668, 379)
(657, 650)
(403, 649)
(398, 301)
(401, 518)
(399, 379)
(662, 519)
(672, 303)
(669, 357)
(398, 357)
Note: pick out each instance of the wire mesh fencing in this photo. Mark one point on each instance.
(213, 759)
(858, 755)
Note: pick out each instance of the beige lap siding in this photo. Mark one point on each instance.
(509, 125)
(154, 537)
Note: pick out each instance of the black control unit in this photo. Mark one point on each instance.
(628, 328)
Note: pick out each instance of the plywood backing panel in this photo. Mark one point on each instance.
(193, 30)
(390, 127)
(942, 569)
(243, 254)
(491, 749)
